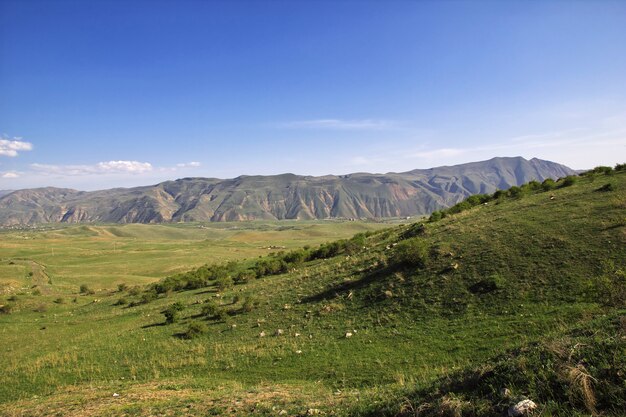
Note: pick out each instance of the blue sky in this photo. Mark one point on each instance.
(97, 94)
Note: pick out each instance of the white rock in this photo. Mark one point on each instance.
(522, 408)
(115, 394)
(348, 334)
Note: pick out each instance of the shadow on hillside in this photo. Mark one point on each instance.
(366, 280)
(147, 326)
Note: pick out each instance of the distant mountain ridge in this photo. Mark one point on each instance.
(286, 196)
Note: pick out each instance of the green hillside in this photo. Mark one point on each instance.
(518, 295)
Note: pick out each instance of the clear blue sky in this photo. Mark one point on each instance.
(99, 94)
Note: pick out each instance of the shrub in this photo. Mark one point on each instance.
(122, 287)
(244, 276)
(224, 282)
(295, 257)
(195, 329)
(134, 291)
(516, 191)
(606, 187)
(416, 229)
(148, 296)
(487, 285)
(122, 301)
(499, 194)
(436, 216)
(620, 167)
(548, 184)
(36, 292)
(13, 298)
(7, 308)
(411, 252)
(41, 308)
(600, 170)
(172, 312)
(59, 300)
(533, 185)
(568, 181)
(249, 304)
(212, 310)
(84, 289)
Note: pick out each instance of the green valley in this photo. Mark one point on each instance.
(513, 296)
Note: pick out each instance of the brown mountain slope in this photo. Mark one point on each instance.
(285, 196)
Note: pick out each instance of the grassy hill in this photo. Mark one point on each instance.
(513, 296)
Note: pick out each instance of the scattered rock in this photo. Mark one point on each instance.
(115, 394)
(313, 412)
(282, 413)
(522, 408)
(278, 332)
(348, 334)
(262, 334)
(505, 392)
(388, 294)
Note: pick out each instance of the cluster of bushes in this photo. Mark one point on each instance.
(226, 275)
(531, 187)
(283, 262)
(220, 275)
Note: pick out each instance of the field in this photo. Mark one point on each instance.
(58, 259)
(519, 297)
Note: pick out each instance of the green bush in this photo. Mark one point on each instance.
(59, 300)
(411, 252)
(244, 277)
(172, 312)
(84, 289)
(568, 181)
(606, 187)
(212, 310)
(548, 184)
(224, 282)
(620, 167)
(122, 287)
(249, 304)
(516, 191)
(7, 308)
(195, 329)
(436, 216)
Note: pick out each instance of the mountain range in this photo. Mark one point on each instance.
(286, 196)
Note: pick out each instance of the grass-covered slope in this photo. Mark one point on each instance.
(520, 297)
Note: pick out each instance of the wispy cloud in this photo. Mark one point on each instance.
(192, 164)
(9, 175)
(109, 167)
(340, 124)
(13, 146)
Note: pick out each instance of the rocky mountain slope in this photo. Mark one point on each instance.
(287, 196)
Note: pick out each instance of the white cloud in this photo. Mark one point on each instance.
(10, 175)
(338, 124)
(125, 166)
(192, 164)
(110, 167)
(12, 147)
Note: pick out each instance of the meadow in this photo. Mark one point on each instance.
(59, 258)
(520, 296)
